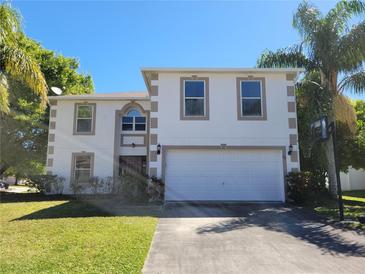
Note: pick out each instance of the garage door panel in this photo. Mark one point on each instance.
(224, 174)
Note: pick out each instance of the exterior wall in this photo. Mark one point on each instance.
(353, 180)
(223, 126)
(62, 143)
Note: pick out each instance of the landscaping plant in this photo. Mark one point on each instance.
(333, 50)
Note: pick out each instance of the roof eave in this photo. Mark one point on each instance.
(228, 70)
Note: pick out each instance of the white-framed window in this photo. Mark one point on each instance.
(251, 98)
(194, 98)
(84, 119)
(82, 167)
(134, 121)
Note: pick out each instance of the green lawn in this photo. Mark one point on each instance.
(354, 206)
(68, 236)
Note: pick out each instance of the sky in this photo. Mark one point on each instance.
(113, 40)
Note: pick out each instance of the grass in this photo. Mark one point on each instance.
(71, 236)
(354, 206)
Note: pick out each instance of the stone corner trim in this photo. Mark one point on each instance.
(52, 125)
(154, 106)
(154, 122)
(53, 102)
(51, 137)
(290, 76)
(153, 139)
(53, 113)
(291, 106)
(290, 91)
(50, 162)
(154, 90)
(153, 156)
(153, 171)
(293, 139)
(294, 156)
(292, 122)
(154, 76)
(50, 149)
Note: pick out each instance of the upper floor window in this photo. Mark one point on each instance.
(84, 119)
(134, 121)
(194, 98)
(251, 99)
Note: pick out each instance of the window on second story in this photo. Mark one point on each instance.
(194, 98)
(251, 105)
(134, 121)
(84, 119)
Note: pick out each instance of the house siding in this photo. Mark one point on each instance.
(223, 126)
(102, 144)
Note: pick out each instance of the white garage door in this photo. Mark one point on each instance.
(224, 174)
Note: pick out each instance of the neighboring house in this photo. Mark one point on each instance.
(354, 179)
(209, 134)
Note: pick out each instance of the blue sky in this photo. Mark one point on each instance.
(114, 39)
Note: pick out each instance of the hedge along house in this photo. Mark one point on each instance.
(209, 134)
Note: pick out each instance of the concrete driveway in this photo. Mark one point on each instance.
(251, 239)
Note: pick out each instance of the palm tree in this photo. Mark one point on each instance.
(14, 61)
(331, 48)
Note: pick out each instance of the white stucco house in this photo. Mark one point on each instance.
(209, 134)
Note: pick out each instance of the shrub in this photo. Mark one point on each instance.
(133, 188)
(307, 186)
(76, 187)
(58, 185)
(43, 183)
(156, 189)
(108, 184)
(95, 183)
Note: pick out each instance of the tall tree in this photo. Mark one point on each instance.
(24, 125)
(331, 48)
(15, 62)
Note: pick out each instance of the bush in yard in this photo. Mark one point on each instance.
(58, 185)
(95, 183)
(307, 186)
(43, 183)
(76, 187)
(108, 184)
(134, 188)
(156, 189)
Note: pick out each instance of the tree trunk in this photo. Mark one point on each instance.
(331, 167)
(331, 84)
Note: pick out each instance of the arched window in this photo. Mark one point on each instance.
(134, 121)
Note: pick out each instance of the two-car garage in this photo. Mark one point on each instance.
(224, 174)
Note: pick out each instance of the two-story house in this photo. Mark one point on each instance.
(209, 134)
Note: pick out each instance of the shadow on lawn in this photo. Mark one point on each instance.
(72, 207)
(293, 221)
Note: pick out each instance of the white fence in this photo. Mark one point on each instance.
(353, 180)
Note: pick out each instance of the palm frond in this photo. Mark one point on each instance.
(355, 82)
(4, 95)
(287, 57)
(306, 19)
(21, 66)
(352, 47)
(343, 11)
(10, 24)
